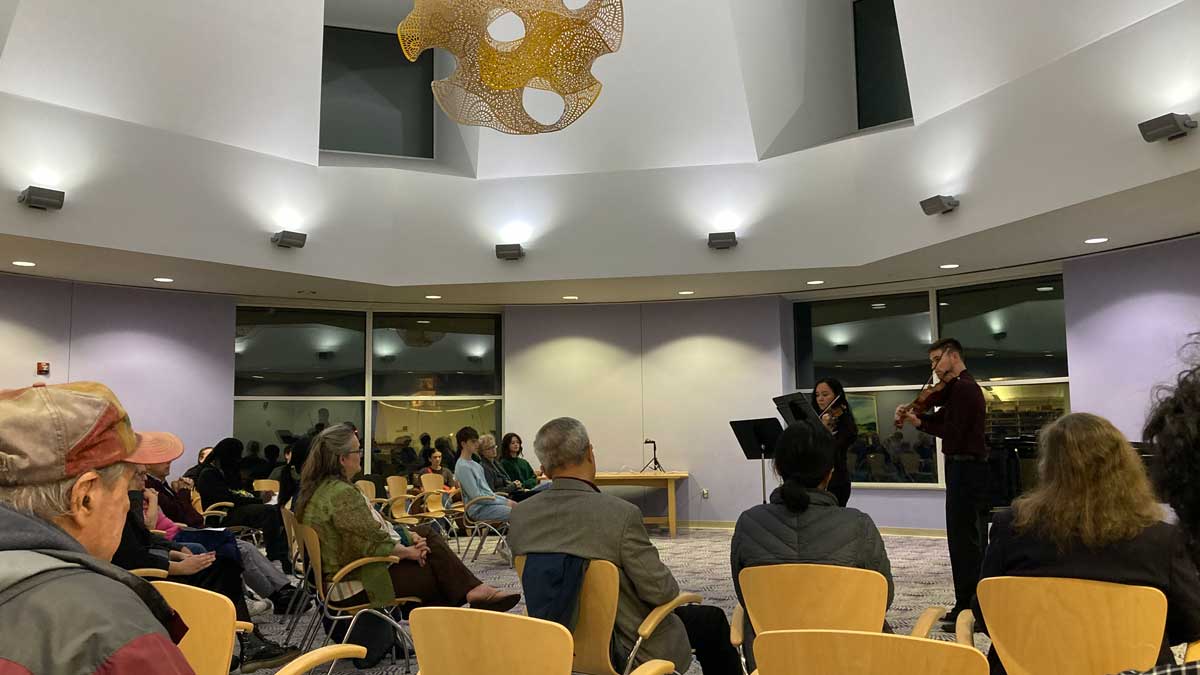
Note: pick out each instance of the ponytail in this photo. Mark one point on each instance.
(795, 495)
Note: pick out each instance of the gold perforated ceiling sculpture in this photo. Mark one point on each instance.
(487, 87)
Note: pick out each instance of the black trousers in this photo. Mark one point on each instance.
(708, 633)
(968, 508)
(224, 577)
(266, 518)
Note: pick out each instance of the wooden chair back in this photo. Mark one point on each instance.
(1070, 626)
(210, 617)
(266, 485)
(311, 545)
(821, 597)
(289, 529)
(366, 487)
(432, 482)
(397, 486)
(496, 639)
(597, 615)
(820, 652)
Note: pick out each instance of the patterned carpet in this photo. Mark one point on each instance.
(700, 561)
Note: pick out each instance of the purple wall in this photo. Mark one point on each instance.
(1128, 315)
(168, 356)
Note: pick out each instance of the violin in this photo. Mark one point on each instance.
(921, 404)
(830, 415)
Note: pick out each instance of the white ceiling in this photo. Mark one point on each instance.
(184, 136)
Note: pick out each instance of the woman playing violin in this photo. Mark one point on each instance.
(829, 400)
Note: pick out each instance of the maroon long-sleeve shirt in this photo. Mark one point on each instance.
(959, 421)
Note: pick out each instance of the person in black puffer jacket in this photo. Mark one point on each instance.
(803, 522)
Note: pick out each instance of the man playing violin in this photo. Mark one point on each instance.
(959, 422)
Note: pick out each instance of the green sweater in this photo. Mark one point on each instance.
(518, 469)
(348, 531)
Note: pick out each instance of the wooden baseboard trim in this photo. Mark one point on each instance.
(913, 532)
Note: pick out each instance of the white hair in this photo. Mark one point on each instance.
(52, 500)
(560, 443)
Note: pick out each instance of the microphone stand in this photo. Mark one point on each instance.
(653, 464)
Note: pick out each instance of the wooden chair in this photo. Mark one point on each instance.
(266, 485)
(820, 652)
(218, 510)
(496, 638)
(299, 572)
(368, 489)
(848, 598)
(317, 657)
(399, 501)
(211, 622)
(150, 573)
(598, 614)
(341, 610)
(483, 528)
(1070, 626)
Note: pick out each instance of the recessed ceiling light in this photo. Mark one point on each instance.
(570, 297)
(990, 354)
(460, 372)
(879, 305)
(1096, 240)
(1045, 289)
(424, 321)
(257, 377)
(839, 366)
(24, 263)
(898, 365)
(814, 282)
(320, 377)
(949, 266)
(433, 297)
(164, 280)
(687, 292)
(943, 304)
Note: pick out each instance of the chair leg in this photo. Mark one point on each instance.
(483, 532)
(470, 540)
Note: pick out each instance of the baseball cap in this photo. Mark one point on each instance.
(52, 432)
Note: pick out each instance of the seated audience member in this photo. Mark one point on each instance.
(219, 482)
(494, 474)
(62, 506)
(435, 466)
(173, 502)
(1094, 516)
(139, 548)
(289, 478)
(449, 456)
(404, 455)
(514, 464)
(473, 481)
(426, 449)
(252, 464)
(194, 472)
(573, 517)
(1173, 427)
(803, 522)
(271, 462)
(349, 528)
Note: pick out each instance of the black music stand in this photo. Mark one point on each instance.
(797, 406)
(757, 438)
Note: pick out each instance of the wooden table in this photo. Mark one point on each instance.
(650, 479)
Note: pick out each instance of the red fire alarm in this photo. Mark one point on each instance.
(43, 367)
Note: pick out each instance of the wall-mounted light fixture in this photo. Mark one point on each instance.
(939, 204)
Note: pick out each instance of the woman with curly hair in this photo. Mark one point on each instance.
(1094, 516)
(1173, 427)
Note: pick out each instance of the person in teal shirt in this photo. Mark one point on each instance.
(514, 464)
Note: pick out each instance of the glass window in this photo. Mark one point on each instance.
(435, 355)
(395, 420)
(882, 453)
(864, 342)
(880, 78)
(1015, 414)
(299, 352)
(279, 422)
(1013, 329)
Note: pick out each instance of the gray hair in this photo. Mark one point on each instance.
(52, 500)
(487, 441)
(561, 443)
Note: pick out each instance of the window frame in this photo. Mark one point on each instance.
(368, 397)
(932, 295)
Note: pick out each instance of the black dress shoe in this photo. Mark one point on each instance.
(259, 652)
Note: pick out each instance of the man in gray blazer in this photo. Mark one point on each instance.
(575, 518)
